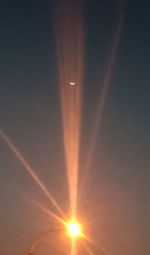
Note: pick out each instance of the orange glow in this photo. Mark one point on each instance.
(69, 41)
(74, 229)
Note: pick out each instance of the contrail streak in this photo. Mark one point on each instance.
(28, 168)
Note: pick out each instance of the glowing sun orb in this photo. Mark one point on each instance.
(74, 229)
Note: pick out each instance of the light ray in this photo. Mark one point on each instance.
(48, 212)
(69, 41)
(73, 246)
(88, 249)
(99, 249)
(28, 168)
(102, 99)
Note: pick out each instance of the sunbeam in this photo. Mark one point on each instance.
(28, 168)
(103, 95)
(96, 247)
(69, 40)
(48, 212)
(88, 249)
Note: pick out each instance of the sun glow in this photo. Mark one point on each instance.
(74, 229)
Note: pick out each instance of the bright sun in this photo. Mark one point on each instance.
(74, 229)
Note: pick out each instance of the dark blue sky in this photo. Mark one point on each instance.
(116, 201)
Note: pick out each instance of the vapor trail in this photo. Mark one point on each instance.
(28, 168)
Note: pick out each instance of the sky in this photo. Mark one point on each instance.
(114, 196)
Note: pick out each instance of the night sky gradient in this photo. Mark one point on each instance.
(114, 202)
